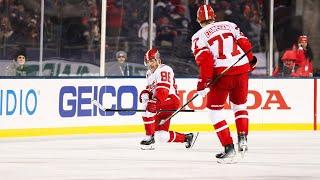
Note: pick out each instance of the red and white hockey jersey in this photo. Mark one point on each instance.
(161, 83)
(219, 45)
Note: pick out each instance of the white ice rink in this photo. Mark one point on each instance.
(271, 156)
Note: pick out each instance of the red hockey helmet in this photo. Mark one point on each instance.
(205, 13)
(152, 53)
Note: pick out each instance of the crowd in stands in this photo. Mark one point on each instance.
(18, 24)
(72, 28)
(297, 61)
(175, 23)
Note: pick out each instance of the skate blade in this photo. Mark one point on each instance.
(147, 147)
(227, 160)
(194, 139)
(243, 151)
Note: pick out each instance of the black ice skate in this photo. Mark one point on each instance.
(147, 143)
(242, 144)
(190, 139)
(228, 156)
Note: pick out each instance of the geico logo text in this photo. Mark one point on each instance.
(76, 101)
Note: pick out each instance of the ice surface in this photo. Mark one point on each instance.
(271, 156)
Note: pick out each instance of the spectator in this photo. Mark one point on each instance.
(255, 33)
(166, 33)
(119, 67)
(18, 67)
(179, 19)
(161, 9)
(302, 44)
(290, 62)
(305, 56)
(5, 28)
(144, 31)
(115, 15)
(295, 64)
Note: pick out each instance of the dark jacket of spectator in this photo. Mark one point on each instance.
(17, 67)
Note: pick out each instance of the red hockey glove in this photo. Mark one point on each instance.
(202, 84)
(202, 87)
(253, 63)
(144, 96)
(153, 106)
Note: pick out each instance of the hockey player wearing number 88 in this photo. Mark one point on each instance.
(218, 48)
(160, 94)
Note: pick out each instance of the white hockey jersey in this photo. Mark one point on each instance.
(161, 78)
(221, 39)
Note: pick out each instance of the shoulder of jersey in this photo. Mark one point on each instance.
(165, 67)
(200, 31)
(197, 34)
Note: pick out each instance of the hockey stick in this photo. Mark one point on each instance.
(100, 106)
(212, 82)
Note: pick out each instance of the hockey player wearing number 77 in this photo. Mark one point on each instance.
(160, 94)
(216, 47)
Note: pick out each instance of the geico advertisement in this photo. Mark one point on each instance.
(67, 102)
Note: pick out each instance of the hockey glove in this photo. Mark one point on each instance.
(145, 95)
(152, 106)
(202, 87)
(253, 63)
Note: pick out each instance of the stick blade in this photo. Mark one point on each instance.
(96, 103)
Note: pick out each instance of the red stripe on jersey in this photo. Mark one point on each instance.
(234, 70)
(197, 52)
(163, 84)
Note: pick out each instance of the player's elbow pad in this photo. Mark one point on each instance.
(205, 63)
(246, 46)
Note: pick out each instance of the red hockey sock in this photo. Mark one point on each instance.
(149, 125)
(176, 137)
(223, 133)
(242, 121)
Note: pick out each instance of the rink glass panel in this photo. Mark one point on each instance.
(176, 27)
(72, 29)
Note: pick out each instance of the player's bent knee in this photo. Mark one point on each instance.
(162, 136)
(148, 114)
(238, 107)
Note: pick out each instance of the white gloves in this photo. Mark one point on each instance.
(144, 98)
(203, 92)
